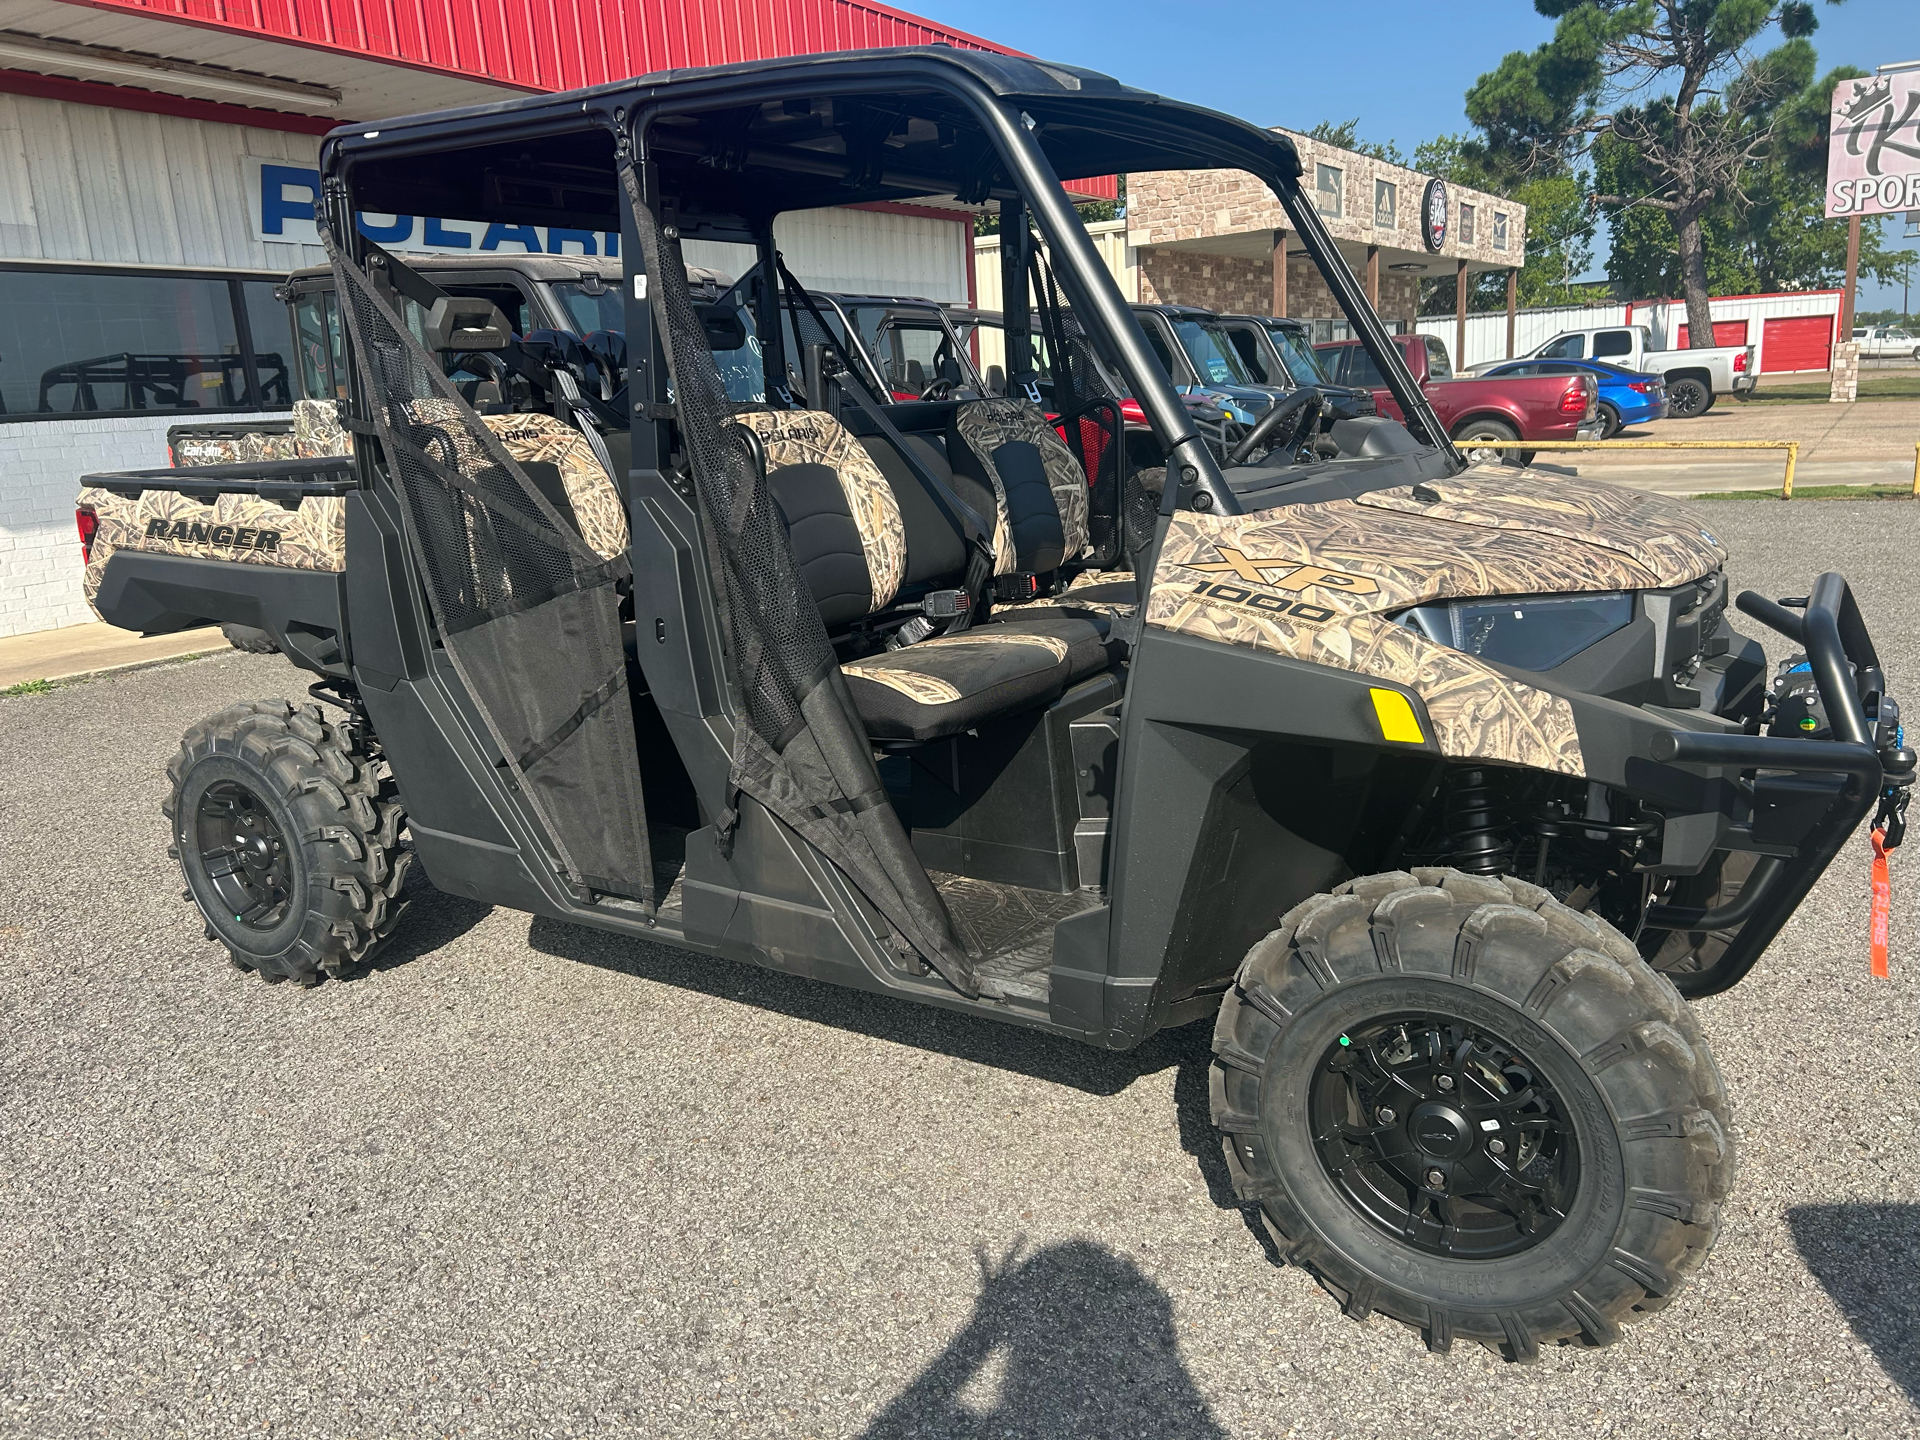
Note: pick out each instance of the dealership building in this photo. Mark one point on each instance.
(157, 177)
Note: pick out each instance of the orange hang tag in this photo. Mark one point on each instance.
(1882, 904)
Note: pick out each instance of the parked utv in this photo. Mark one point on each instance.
(1399, 772)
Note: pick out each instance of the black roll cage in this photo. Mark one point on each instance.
(1012, 100)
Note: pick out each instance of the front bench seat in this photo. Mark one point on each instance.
(953, 683)
(849, 538)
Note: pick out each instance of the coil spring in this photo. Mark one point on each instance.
(1475, 824)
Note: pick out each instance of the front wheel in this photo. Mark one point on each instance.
(1463, 1105)
(1688, 398)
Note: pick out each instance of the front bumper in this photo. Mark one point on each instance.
(1795, 802)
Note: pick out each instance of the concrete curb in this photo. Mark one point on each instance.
(28, 658)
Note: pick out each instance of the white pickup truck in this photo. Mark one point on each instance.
(1887, 342)
(1695, 378)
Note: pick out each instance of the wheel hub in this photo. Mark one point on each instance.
(1443, 1134)
(1440, 1131)
(244, 855)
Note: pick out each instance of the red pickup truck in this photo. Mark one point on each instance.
(1523, 407)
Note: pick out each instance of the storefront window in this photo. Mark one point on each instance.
(93, 342)
(1386, 197)
(1331, 183)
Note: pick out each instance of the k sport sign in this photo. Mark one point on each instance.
(1873, 153)
(281, 195)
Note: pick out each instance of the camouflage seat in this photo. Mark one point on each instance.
(954, 683)
(855, 518)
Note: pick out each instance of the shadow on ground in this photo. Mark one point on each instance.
(1071, 1340)
(1868, 1258)
(1034, 1053)
(434, 919)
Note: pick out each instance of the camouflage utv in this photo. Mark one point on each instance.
(1434, 789)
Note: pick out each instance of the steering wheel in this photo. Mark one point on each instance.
(940, 389)
(1297, 414)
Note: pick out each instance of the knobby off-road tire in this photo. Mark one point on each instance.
(249, 638)
(1602, 1035)
(288, 834)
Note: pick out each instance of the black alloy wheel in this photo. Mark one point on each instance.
(1610, 422)
(1442, 1134)
(243, 853)
(1688, 398)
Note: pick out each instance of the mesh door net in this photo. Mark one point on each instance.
(530, 616)
(800, 751)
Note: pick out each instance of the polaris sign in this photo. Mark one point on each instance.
(282, 195)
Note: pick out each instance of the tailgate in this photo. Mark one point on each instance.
(283, 514)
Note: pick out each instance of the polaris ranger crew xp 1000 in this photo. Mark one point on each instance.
(1436, 788)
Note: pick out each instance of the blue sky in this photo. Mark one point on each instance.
(1402, 67)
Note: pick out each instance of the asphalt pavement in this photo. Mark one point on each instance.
(528, 1179)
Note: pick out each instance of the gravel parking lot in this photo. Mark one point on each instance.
(527, 1179)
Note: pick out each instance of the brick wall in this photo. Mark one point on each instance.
(41, 463)
(1233, 284)
(1173, 205)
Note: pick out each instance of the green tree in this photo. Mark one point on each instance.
(1773, 235)
(1092, 211)
(1559, 227)
(1345, 135)
(1601, 77)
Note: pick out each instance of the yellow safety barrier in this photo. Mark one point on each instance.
(1792, 447)
(1916, 467)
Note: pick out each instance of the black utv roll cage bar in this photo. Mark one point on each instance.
(1098, 127)
(1847, 673)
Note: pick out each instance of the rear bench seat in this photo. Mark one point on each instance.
(866, 532)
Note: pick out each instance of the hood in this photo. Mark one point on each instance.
(1319, 582)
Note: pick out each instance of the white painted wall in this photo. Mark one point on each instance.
(1487, 330)
(39, 544)
(88, 183)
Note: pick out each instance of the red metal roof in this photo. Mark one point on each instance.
(562, 44)
(548, 45)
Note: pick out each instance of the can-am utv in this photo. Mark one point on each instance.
(1400, 772)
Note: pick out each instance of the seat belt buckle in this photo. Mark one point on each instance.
(945, 604)
(1013, 589)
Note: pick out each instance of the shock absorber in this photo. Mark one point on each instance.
(1476, 824)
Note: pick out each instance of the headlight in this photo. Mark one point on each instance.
(1528, 632)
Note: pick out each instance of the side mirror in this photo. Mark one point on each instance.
(463, 322)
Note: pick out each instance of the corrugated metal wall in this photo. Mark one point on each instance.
(81, 182)
(1487, 330)
(1109, 238)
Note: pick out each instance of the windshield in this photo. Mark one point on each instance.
(586, 311)
(1212, 353)
(1300, 357)
(913, 348)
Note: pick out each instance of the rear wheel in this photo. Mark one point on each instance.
(1610, 422)
(1461, 1104)
(288, 834)
(1687, 398)
(1480, 430)
(249, 638)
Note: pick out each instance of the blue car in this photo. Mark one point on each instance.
(1627, 397)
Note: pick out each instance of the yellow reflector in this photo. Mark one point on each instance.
(1397, 720)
